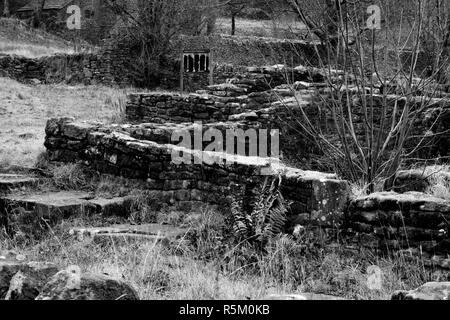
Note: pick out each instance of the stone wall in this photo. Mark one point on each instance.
(86, 68)
(382, 221)
(252, 51)
(113, 65)
(107, 67)
(398, 221)
(115, 150)
(248, 101)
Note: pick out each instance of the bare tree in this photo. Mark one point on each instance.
(234, 8)
(6, 8)
(436, 37)
(149, 26)
(37, 13)
(377, 87)
(322, 19)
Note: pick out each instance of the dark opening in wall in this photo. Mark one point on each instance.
(196, 61)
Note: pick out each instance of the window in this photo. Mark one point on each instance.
(196, 61)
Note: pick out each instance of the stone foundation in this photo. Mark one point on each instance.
(382, 221)
(113, 150)
(247, 101)
(390, 220)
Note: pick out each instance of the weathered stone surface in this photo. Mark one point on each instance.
(429, 291)
(8, 268)
(22, 287)
(50, 204)
(402, 220)
(31, 277)
(303, 296)
(15, 181)
(27, 283)
(72, 284)
(411, 180)
(119, 206)
(149, 232)
(117, 150)
(395, 201)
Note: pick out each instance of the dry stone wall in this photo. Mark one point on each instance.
(252, 51)
(113, 65)
(84, 68)
(398, 221)
(382, 221)
(247, 101)
(113, 150)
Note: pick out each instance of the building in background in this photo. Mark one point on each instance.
(96, 19)
(14, 5)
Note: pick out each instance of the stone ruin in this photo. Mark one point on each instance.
(142, 150)
(255, 98)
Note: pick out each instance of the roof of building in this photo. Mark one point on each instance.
(49, 4)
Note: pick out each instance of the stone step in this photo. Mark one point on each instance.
(55, 206)
(119, 206)
(10, 182)
(146, 232)
(49, 204)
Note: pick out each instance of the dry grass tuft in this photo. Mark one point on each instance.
(439, 180)
(207, 264)
(24, 110)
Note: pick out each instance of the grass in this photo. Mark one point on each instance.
(209, 262)
(30, 50)
(287, 28)
(439, 181)
(18, 38)
(24, 110)
(210, 265)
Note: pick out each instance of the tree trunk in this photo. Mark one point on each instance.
(211, 23)
(233, 24)
(6, 8)
(38, 14)
(328, 32)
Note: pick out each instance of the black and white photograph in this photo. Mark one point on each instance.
(256, 153)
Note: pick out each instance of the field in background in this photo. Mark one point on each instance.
(18, 38)
(284, 28)
(24, 110)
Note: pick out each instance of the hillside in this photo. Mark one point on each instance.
(18, 38)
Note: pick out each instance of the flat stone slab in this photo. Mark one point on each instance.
(429, 291)
(50, 204)
(303, 296)
(391, 200)
(15, 181)
(66, 203)
(119, 206)
(154, 232)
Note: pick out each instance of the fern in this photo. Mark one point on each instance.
(268, 216)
